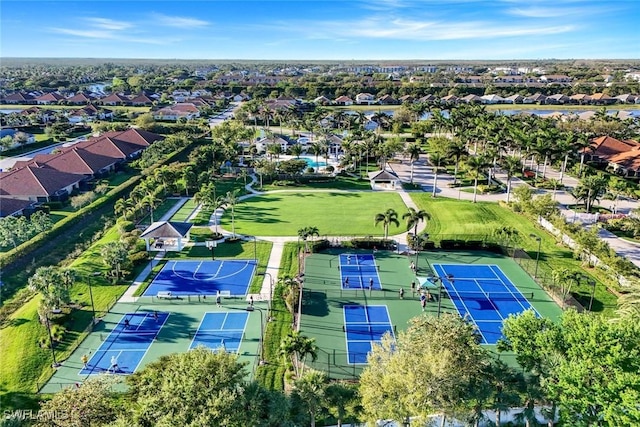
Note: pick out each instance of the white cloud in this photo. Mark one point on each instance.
(414, 30)
(109, 24)
(178, 21)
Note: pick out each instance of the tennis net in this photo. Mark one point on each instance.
(357, 328)
(492, 296)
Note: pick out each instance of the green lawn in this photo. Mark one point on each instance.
(333, 213)
(451, 219)
(184, 212)
(340, 183)
(158, 212)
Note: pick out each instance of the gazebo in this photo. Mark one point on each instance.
(167, 235)
(384, 180)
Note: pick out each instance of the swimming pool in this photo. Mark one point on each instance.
(311, 162)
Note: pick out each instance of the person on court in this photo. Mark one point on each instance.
(155, 316)
(85, 360)
(370, 283)
(218, 299)
(423, 301)
(401, 293)
(114, 364)
(346, 282)
(126, 323)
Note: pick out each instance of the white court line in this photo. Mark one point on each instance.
(515, 287)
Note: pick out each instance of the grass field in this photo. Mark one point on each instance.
(340, 183)
(159, 211)
(454, 217)
(334, 213)
(185, 211)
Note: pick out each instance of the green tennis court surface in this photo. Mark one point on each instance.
(187, 323)
(324, 299)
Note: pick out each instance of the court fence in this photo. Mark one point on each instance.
(543, 275)
(335, 365)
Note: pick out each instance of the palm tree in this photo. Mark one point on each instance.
(297, 347)
(390, 216)
(307, 232)
(231, 199)
(476, 165)
(435, 159)
(310, 390)
(296, 150)
(413, 151)
(457, 150)
(317, 148)
(511, 165)
(583, 144)
(414, 218)
(590, 189)
(629, 302)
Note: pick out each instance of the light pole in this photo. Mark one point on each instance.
(211, 245)
(270, 291)
(255, 248)
(539, 239)
(250, 309)
(438, 280)
(93, 308)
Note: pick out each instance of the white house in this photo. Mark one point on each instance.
(365, 99)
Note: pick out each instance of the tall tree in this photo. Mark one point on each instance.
(413, 151)
(387, 217)
(511, 165)
(231, 199)
(476, 166)
(414, 218)
(431, 367)
(310, 390)
(297, 347)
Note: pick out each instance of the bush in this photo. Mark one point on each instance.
(125, 226)
(137, 258)
(319, 245)
(372, 243)
(55, 205)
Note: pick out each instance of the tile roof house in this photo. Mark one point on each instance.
(602, 99)
(89, 113)
(177, 111)
(623, 156)
(19, 98)
(140, 100)
(388, 100)
(343, 100)
(471, 99)
(14, 207)
(80, 98)
(49, 98)
(365, 98)
(74, 160)
(38, 184)
(114, 99)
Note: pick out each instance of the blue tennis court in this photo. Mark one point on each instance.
(127, 343)
(203, 277)
(359, 271)
(485, 294)
(363, 326)
(221, 331)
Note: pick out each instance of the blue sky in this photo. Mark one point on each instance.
(317, 30)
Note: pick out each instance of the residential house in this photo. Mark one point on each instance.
(471, 99)
(622, 156)
(538, 98)
(364, 98)
(38, 184)
(557, 99)
(449, 99)
(602, 99)
(263, 143)
(408, 99)
(492, 99)
(15, 207)
(343, 100)
(80, 98)
(627, 98)
(75, 160)
(114, 99)
(18, 98)
(388, 100)
(555, 78)
(322, 100)
(141, 100)
(49, 98)
(177, 111)
(89, 113)
(580, 98)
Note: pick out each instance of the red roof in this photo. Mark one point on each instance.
(76, 160)
(31, 181)
(606, 147)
